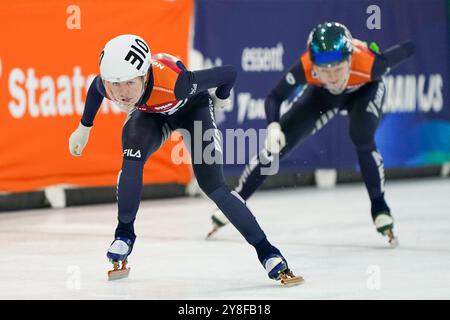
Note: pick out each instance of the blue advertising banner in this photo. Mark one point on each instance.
(263, 38)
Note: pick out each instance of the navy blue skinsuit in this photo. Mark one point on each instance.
(314, 106)
(145, 131)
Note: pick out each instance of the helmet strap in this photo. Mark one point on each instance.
(145, 81)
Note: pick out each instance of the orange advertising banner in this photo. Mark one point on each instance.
(49, 55)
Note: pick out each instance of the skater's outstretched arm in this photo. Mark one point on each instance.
(93, 101)
(79, 138)
(293, 78)
(275, 139)
(191, 82)
(391, 57)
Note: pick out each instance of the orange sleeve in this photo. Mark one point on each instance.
(164, 79)
(362, 63)
(307, 67)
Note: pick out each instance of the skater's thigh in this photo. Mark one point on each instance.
(142, 135)
(203, 140)
(365, 111)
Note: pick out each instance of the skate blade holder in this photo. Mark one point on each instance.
(118, 272)
(214, 230)
(288, 279)
(393, 240)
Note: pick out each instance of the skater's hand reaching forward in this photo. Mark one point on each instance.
(78, 140)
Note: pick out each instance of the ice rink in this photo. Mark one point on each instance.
(326, 235)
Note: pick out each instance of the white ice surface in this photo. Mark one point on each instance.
(327, 237)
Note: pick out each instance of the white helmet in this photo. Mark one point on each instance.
(124, 57)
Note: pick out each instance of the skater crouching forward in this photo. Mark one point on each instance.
(339, 73)
(160, 95)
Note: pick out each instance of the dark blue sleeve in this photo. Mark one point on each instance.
(94, 99)
(292, 79)
(193, 82)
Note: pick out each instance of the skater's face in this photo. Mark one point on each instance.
(126, 93)
(334, 78)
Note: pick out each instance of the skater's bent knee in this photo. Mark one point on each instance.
(361, 136)
(209, 183)
(219, 194)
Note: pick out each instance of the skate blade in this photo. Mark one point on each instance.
(393, 240)
(214, 230)
(289, 279)
(394, 243)
(118, 274)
